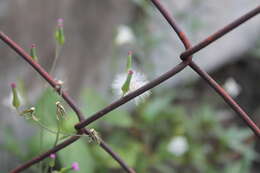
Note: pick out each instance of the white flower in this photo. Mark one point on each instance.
(232, 87)
(178, 145)
(124, 35)
(138, 80)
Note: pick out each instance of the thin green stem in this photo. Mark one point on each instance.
(58, 133)
(45, 170)
(56, 57)
(41, 144)
(55, 132)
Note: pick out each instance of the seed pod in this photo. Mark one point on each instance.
(60, 111)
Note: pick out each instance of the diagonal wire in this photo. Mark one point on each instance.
(201, 72)
(219, 33)
(228, 99)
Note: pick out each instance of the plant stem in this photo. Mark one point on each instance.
(58, 133)
(57, 54)
(44, 127)
(41, 143)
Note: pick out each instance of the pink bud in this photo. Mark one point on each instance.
(33, 46)
(75, 166)
(53, 156)
(60, 22)
(13, 85)
(130, 72)
(130, 53)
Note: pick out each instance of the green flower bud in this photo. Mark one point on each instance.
(52, 160)
(33, 52)
(126, 86)
(16, 102)
(59, 33)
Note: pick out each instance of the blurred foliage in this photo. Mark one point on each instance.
(141, 136)
(256, 50)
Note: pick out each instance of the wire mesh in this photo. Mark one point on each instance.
(186, 57)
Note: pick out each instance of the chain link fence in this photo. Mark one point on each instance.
(186, 58)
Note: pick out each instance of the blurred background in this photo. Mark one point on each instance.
(182, 127)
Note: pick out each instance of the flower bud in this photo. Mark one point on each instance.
(33, 52)
(16, 101)
(52, 156)
(59, 33)
(75, 166)
(52, 160)
(126, 86)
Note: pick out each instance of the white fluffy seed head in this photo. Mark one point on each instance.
(138, 80)
(178, 145)
(124, 35)
(232, 87)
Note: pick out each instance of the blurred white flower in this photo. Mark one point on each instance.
(178, 145)
(232, 87)
(124, 35)
(138, 80)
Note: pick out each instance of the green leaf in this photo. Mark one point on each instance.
(46, 107)
(10, 143)
(119, 118)
(34, 143)
(68, 123)
(156, 106)
(95, 102)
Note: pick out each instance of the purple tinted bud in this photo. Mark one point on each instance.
(130, 53)
(60, 22)
(13, 85)
(53, 156)
(75, 166)
(33, 46)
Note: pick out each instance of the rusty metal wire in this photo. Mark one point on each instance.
(186, 56)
